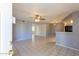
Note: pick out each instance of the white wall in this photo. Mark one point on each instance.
(22, 30)
(6, 27)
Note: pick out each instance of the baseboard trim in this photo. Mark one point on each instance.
(67, 47)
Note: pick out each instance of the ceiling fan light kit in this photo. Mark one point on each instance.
(38, 18)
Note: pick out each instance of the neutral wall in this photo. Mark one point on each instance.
(59, 27)
(22, 30)
(67, 21)
(70, 39)
(76, 22)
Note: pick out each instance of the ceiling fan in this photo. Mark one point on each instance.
(38, 18)
(35, 18)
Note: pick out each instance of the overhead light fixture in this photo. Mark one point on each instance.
(71, 21)
(37, 20)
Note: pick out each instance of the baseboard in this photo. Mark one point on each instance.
(67, 47)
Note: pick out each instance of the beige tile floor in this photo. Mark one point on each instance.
(41, 47)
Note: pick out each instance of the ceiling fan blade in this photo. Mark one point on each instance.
(36, 17)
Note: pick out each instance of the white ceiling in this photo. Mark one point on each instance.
(53, 12)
